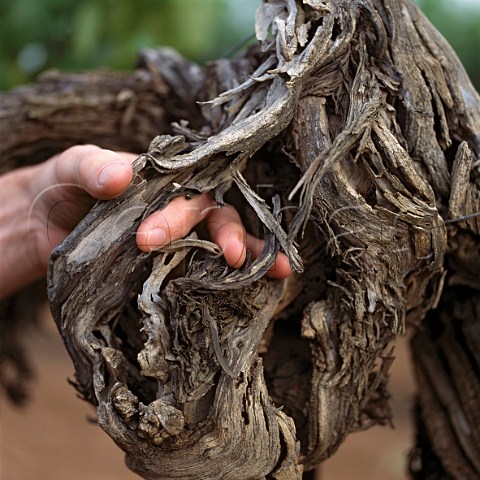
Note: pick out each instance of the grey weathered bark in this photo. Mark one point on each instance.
(351, 136)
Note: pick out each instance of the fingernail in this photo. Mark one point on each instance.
(156, 238)
(108, 172)
(240, 250)
(240, 239)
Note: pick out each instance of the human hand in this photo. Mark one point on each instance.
(49, 199)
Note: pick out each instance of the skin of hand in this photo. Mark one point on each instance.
(40, 206)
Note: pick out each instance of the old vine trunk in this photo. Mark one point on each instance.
(349, 137)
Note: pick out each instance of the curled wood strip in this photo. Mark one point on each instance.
(188, 361)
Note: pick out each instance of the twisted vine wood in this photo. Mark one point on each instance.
(349, 137)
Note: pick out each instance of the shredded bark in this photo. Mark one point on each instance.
(349, 138)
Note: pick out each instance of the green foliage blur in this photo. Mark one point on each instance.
(459, 23)
(36, 35)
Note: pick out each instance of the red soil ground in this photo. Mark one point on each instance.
(52, 439)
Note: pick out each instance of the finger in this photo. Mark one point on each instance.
(103, 174)
(280, 269)
(173, 222)
(225, 228)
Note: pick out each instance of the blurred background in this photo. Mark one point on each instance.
(81, 34)
(52, 438)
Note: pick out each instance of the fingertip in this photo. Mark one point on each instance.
(234, 250)
(152, 236)
(113, 178)
(281, 268)
(103, 174)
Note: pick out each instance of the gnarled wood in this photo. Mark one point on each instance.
(351, 137)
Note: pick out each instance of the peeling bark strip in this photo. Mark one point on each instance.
(351, 136)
